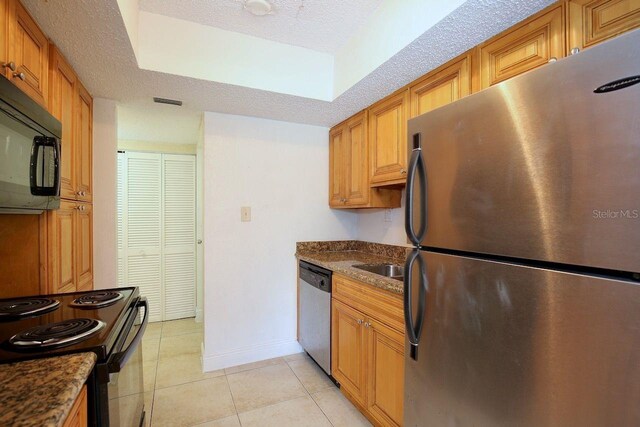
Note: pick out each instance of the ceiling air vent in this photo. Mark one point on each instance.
(167, 101)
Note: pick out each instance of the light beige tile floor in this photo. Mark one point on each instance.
(281, 392)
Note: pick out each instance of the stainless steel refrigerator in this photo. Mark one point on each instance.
(522, 294)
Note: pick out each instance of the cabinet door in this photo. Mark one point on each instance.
(527, 46)
(442, 87)
(78, 414)
(29, 49)
(84, 168)
(357, 170)
(62, 104)
(594, 21)
(387, 139)
(337, 166)
(4, 35)
(347, 350)
(84, 246)
(385, 373)
(62, 247)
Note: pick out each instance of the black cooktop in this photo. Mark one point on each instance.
(49, 325)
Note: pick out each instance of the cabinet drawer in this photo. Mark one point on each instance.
(376, 303)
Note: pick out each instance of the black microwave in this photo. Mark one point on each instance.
(29, 153)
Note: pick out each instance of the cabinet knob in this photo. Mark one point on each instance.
(552, 59)
(403, 171)
(10, 65)
(21, 76)
(359, 321)
(575, 50)
(367, 324)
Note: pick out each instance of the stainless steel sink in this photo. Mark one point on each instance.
(393, 271)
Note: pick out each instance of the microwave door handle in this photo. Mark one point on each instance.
(118, 360)
(40, 142)
(56, 167)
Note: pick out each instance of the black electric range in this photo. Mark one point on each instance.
(109, 323)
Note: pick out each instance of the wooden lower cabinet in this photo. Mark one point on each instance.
(78, 416)
(385, 362)
(367, 354)
(348, 362)
(70, 247)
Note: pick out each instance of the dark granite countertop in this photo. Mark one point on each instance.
(41, 392)
(341, 256)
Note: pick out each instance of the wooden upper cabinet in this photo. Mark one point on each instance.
(349, 185)
(348, 363)
(357, 168)
(388, 139)
(440, 87)
(337, 170)
(4, 35)
(62, 228)
(385, 393)
(84, 168)
(29, 50)
(526, 46)
(594, 21)
(84, 246)
(62, 105)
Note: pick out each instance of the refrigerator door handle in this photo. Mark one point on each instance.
(414, 330)
(416, 165)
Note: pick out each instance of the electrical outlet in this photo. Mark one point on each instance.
(387, 215)
(245, 214)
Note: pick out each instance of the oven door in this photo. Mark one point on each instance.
(126, 385)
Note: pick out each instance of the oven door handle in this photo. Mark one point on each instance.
(118, 360)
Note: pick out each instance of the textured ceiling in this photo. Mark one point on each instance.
(91, 34)
(319, 25)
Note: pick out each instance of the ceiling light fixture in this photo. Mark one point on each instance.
(258, 7)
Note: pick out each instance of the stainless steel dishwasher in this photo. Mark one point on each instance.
(314, 288)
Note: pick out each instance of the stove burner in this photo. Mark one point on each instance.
(19, 308)
(97, 299)
(59, 334)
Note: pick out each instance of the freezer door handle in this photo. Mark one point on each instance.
(414, 330)
(416, 166)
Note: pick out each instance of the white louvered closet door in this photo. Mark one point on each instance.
(156, 231)
(179, 237)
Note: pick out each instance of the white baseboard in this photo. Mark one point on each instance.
(251, 354)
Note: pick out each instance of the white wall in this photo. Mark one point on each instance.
(281, 170)
(209, 53)
(382, 225)
(105, 164)
(393, 26)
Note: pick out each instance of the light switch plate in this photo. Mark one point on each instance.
(245, 214)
